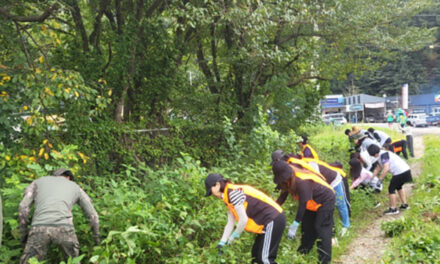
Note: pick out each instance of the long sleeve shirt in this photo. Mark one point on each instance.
(308, 190)
(54, 198)
(406, 130)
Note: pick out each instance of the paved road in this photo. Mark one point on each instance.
(417, 131)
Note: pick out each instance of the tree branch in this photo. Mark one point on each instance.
(204, 66)
(35, 18)
(119, 18)
(110, 56)
(96, 33)
(214, 51)
(77, 18)
(26, 52)
(153, 7)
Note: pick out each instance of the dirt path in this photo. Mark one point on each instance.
(370, 245)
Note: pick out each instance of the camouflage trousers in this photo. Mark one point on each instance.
(40, 237)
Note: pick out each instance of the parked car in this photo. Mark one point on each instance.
(374, 119)
(336, 118)
(433, 120)
(418, 120)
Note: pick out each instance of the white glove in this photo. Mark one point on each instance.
(292, 230)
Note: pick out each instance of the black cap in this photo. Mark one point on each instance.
(373, 149)
(281, 172)
(210, 181)
(355, 168)
(276, 156)
(64, 172)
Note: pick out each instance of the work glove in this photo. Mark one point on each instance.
(220, 246)
(379, 183)
(292, 230)
(233, 237)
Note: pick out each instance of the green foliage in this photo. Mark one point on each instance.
(143, 97)
(394, 228)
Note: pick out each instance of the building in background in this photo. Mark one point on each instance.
(419, 103)
(356, 108)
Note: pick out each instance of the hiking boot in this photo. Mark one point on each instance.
(404, 207)
(391, 211)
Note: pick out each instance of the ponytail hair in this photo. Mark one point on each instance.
(223, 183)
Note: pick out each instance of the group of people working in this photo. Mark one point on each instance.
(318, 187)
(376, 158)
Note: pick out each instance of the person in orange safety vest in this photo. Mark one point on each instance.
(306, 150)
(253, 211)
(316, 203)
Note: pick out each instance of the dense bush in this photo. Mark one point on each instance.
(161, 215)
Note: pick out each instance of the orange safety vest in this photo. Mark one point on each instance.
(328, 166)
(315, 155)
(396, 149)
(251, 225)
(311, 204)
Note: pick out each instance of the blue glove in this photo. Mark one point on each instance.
(234, 236)
(292, 230)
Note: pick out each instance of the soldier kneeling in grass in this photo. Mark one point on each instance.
(54, 198)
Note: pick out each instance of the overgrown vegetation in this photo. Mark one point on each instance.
(142, 98)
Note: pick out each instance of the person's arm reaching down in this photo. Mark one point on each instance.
(24, 209)
(87, 206)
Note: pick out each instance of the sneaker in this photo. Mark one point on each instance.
(391, 211)
(404, 207)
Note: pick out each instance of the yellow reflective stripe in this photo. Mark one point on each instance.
(303, 164)
(325, 164)
(313, 177)
(251, 225)
(315, 155)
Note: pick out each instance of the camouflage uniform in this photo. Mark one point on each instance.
(40, 238)
(53, 198)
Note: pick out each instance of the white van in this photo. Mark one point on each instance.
(337, 118)
(418, 120)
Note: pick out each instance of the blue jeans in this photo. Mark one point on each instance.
(341, 204)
